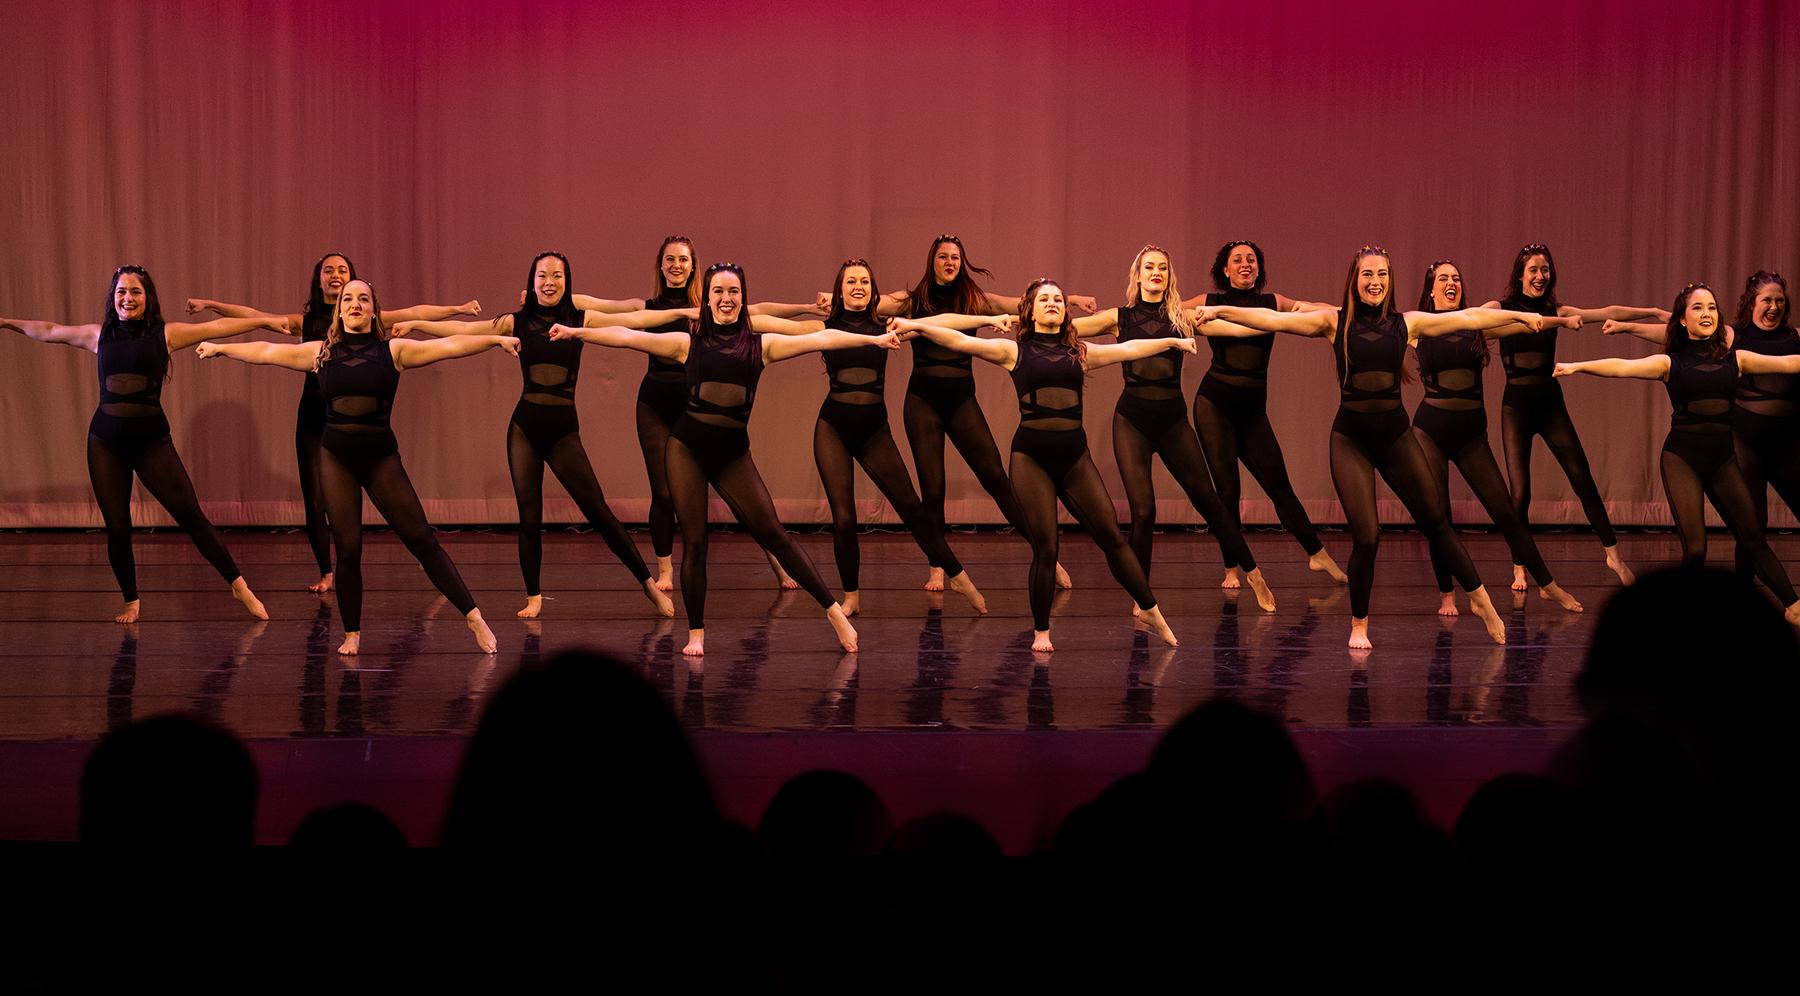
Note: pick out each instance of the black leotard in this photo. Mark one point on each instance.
(546, 408)
(664, 386)
(1370, 349)
(951, 381)
(856, 405)
(722, 373)
(357, 383)
(1702, 391)
(1767, 426)
(1237, 379)
(1152, 398)
(1048, 377)
(133, 363)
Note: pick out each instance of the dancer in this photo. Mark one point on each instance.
(1151, 419)
(359, 371)
(1533, 402)
(545, 430)
(662, 393)
(710, 444)
(1050, 461)
(1451, 426)
(129, 433)
(1370, 433)
(329, 275)
(1701, 370)
(853, 425)
(1766, 419)
(1231, 408)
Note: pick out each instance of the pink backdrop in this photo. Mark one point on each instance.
(227, 145)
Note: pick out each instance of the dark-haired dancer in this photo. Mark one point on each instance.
(545, 430)
(329, 275)
(662, 393)
(129, 433)
(710, 445)
(1766, 419)
(1050, 461)
(1371, 433)
(1151, 419)
(1533, 403)
(1701, 370)
(1231, 408)
(853, 426)
(359, 371)
(1451, 426)
(940, 394)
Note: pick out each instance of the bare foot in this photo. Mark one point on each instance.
(665, 574)
(966, 588)
(1040, 641)
(665, 607)
(130, 615)
(1265, 599)
(484, 637)
(840, 623)
(1793, 614)
(696, 645)
(1519, 580)
(1153, 618)
(1553, 592)
(781, 577)
(1063, 580)
(240, 590)
(1136, 613)
(1323, 564)
(534, 607)
(852, 602)
(1231, 580)
(1483, 607)
(352, 644)
(1359, 634)
(1617, 563)
(322, 585)
(934, 579)
(1447, 605)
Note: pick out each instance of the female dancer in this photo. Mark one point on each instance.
(1050, 461)
(940, 394)
(129, 432)
(1451, 426)
(1231, 408)
(1701, 370)
(662, 394)
(545, 430)
(853, 425)
(1152, 421)
(359, 370)
(329, 275)
(1371, 433)
(1533, 402)
(710, 444)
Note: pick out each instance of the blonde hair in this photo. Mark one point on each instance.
(336, 331)
(1171, 302)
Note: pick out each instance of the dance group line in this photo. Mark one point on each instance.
(1735, 428)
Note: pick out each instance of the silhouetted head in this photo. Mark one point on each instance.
(1228, 768)
(821, 815)
(349, 827)
(169, 782)
(944, 838)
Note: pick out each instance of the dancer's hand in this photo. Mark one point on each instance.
(510, 343)
(822, 301)
(471, 308)
(1183, 345)
(1563, 370)
(1007, 323)
(196, 305)
(403, 329)
(207, 350)
(1084, 302)
(888, 340)
(1204, 314)
(275, 323)
(1533, 322)
(1572, 323)
(560, 332)
(1610, 327)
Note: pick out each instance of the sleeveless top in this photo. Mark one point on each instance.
(858, 376)
(358, 382)
(1241, 362)
(1048, 378)
(1769, 394)
(1153, 378)
(313, 327)
(672, 299)
(549, 368)
(1369, 351)
(1529, 357)
(939, 300)
(1450, 369)
(1702, 389)
(133, 362)
(722, 371)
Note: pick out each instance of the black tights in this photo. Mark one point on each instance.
(968, 429)
(741, 486)
(1476, 462)
(1251, 439)
(1404, 469)
(1083, 493)
(161, 470)
(653, 440)
(393, 496)
(880, 459)
(1550, 419)
(1777, 465)
(1181, 454)
(569, 461)
(1685, 489)
(307, 447)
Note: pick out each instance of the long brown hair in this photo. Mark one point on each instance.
(1429, 303)
(970, 299)
(662, 285)
(336, 332)
(1348, 314)
(1171, 302)
(1066, 333)
(1676, 338)
(837, 310)
(1753, 287)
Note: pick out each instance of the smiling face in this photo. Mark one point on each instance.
(334, 273)
(129, 299)
(1153, 275)
(1769, 308)
(548, 279)
(677, 264)
(1048, 307)
(1446, 287)
(1701, 316)
(725, 296)
(1373, 281)
(356, 307)
(1535, 279)
(857, 288)
(1242, 268)
(946, 262)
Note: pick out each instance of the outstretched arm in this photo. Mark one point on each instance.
(80, 336)
(1616, 312)
(1761, 363)
(1222, 328)
(969, 323)
(785, 347)
(1427, 324)
(774, 310)
(409, 353)
(303, 356)
(890, 305)
(586, 303)
(666, 345)
(1107, 353)
(1001, 352)
(181, 335)
(1285, 303)
(1656, 332)
(1100, 323)
(1311, 323)
(636, 319)
(437, 330)
(1646, 368)
(430, 312)
(782, 326)
(1514, 328)
(195, 305)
